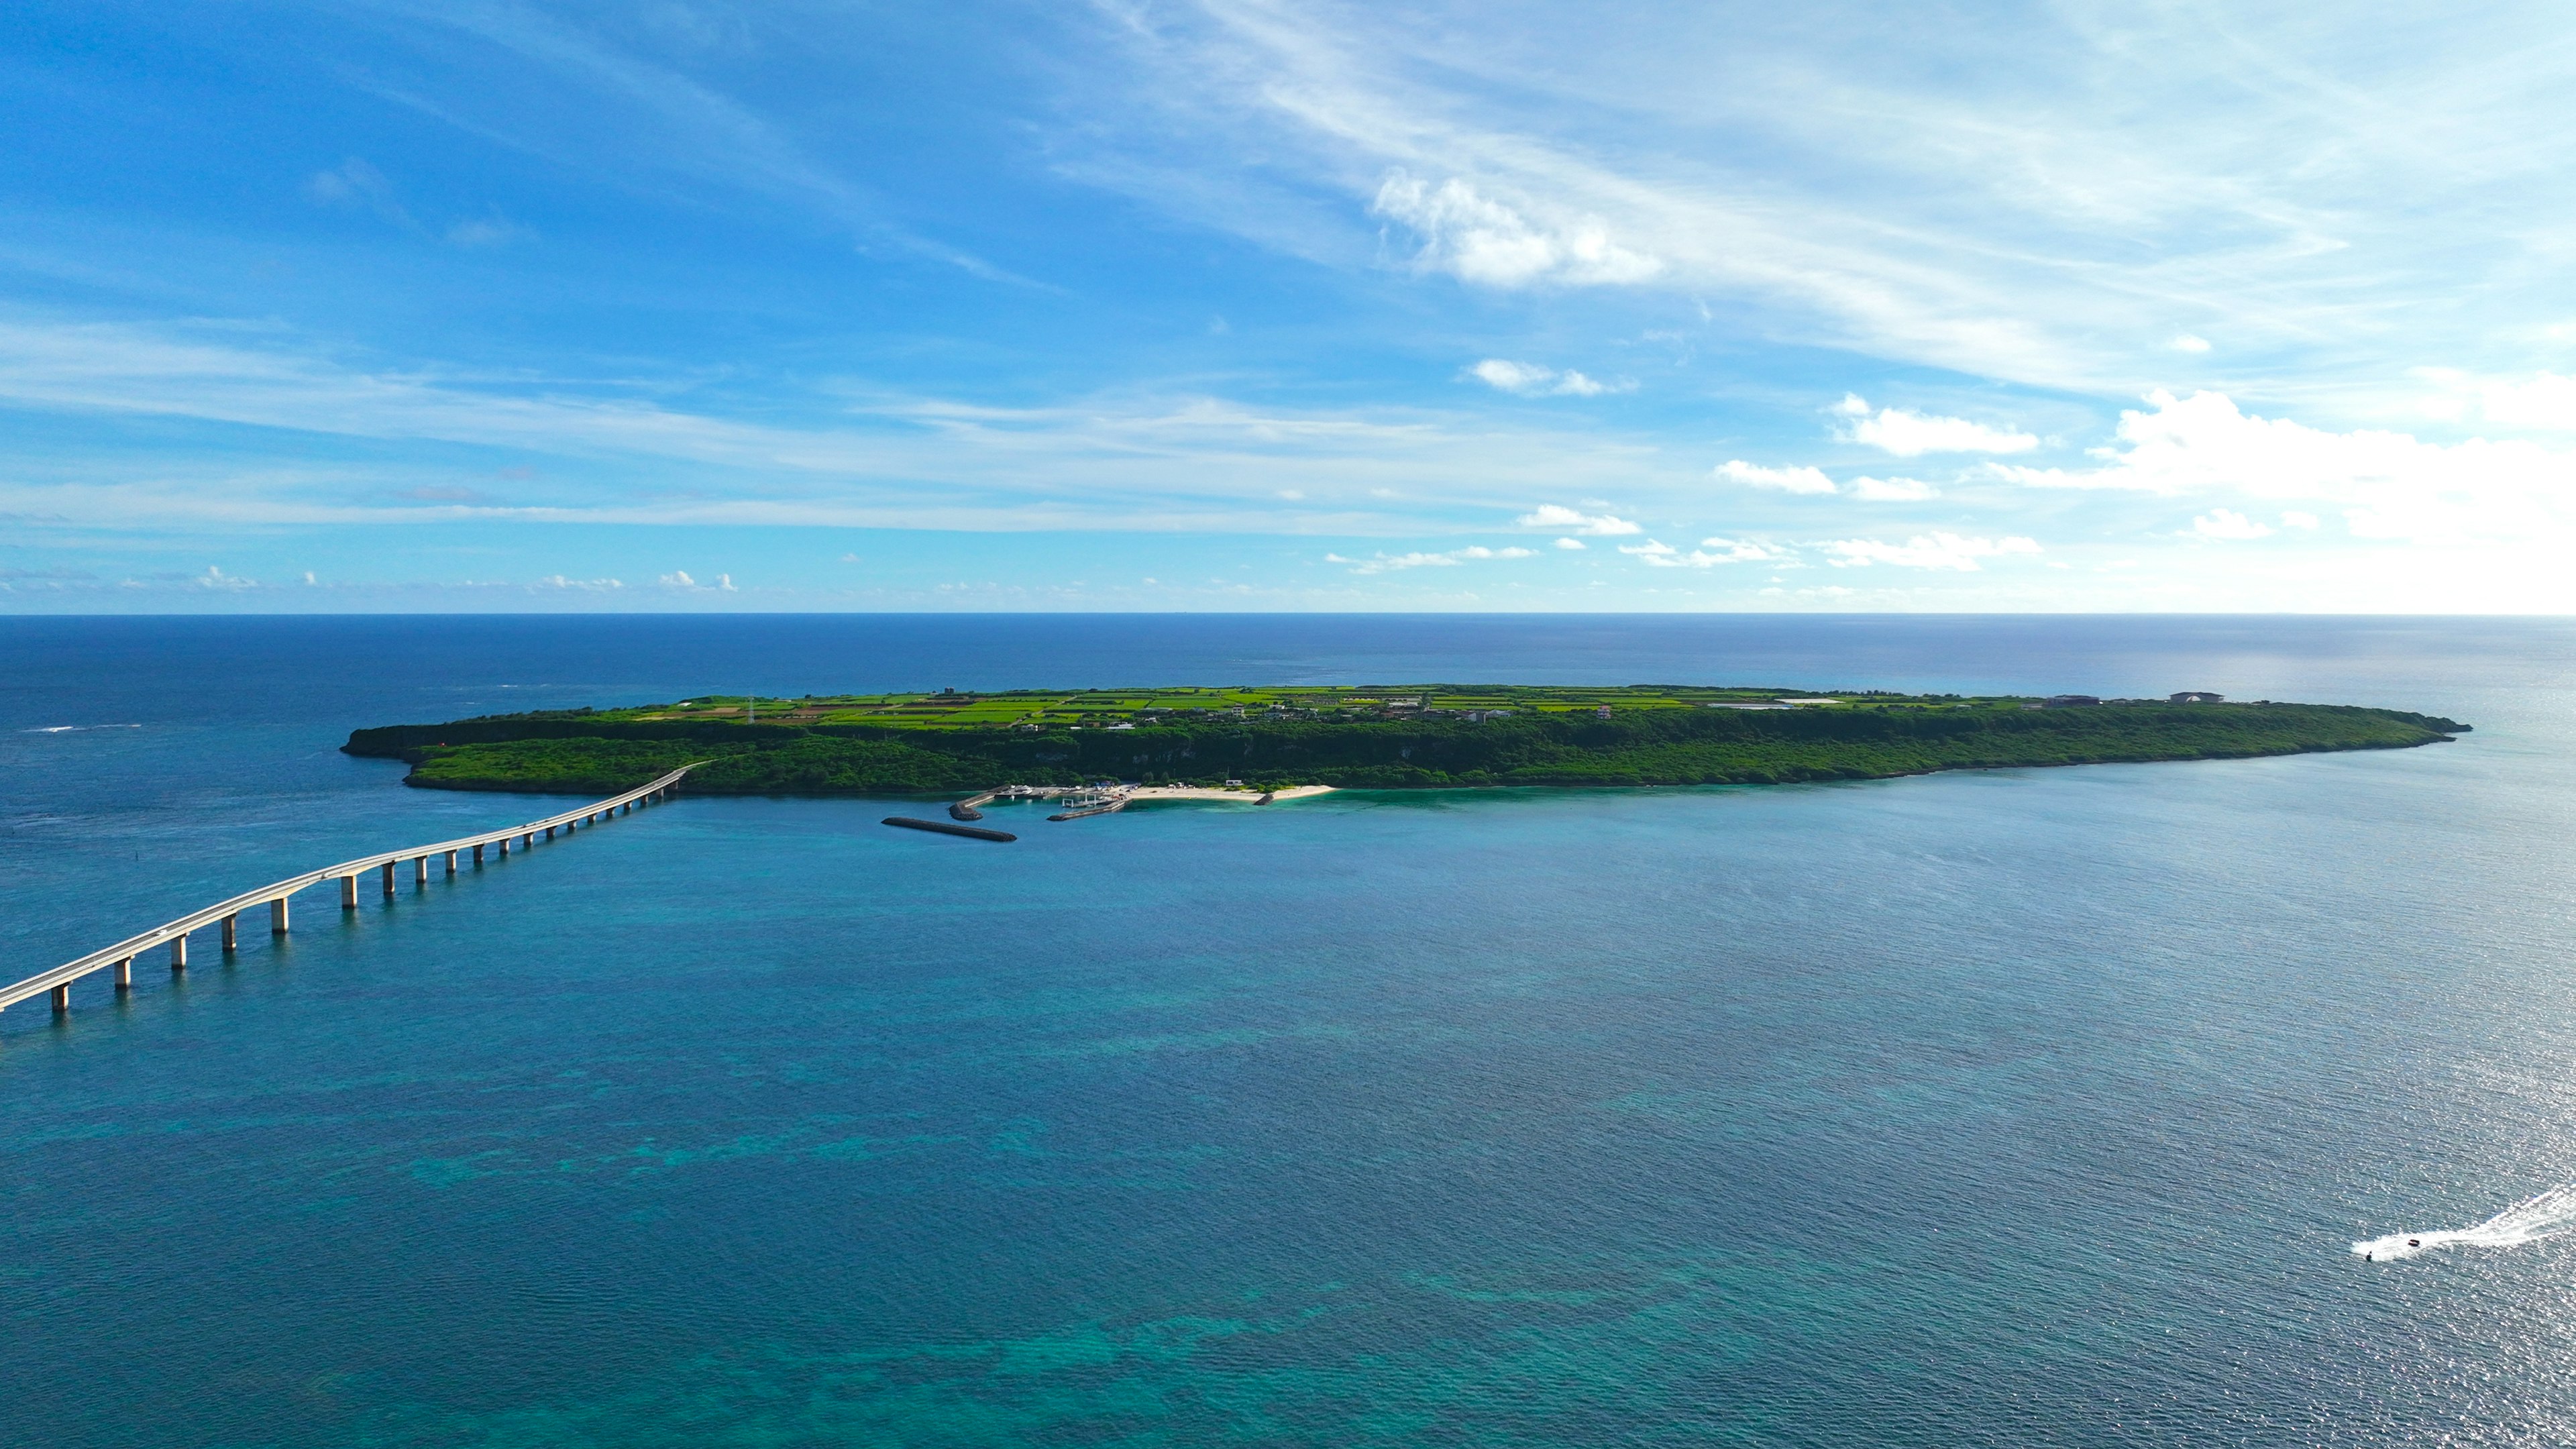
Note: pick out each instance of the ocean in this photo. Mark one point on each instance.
(2016, 1107)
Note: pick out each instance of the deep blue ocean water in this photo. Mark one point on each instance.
(2034, 1107)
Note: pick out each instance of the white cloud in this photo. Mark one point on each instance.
(1484, 241)
(215, 578)
(558, 581)
(651, 452)
(1926, 551)
(1911, 434)
(1530, 379)
(1893, 490)
(2188, 343)
(2547, 401)
(1597, 525)
(1711, 552)
(1569, 543)
(1384, 563)
(2298, 518)
(2227, 523)
(2390, 485)
(681, 581)
(1787, 480)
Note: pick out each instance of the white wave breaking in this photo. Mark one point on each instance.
(2528, 1221)
(76, 729)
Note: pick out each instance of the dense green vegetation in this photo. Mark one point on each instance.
(1416, 736)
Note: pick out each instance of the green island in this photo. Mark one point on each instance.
(1380, 737)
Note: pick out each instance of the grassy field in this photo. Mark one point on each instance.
(1410, 736)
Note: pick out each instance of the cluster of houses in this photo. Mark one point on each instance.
(2188, 696)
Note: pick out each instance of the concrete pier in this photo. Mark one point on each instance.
(226, 915)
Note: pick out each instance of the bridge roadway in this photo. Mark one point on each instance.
(174, 934)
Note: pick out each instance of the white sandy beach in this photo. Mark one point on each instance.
(1144, 793)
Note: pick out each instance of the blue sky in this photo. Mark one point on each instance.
(1247, 305)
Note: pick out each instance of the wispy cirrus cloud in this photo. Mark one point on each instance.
(1159, 463)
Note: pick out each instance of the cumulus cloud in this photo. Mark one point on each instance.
(1787, 480)
(2299, 518)
(1710, 553)
(1911, 434)
(2547, 401)
(1926, 551)
(1893, 490)
(1384, 563)
(1597, 525)
(2227, 523)
(1530, 379)
(2188, 343)
(215, 578)
(1480, 240)
(2389, 485)
(559, 581)
(1569, 543)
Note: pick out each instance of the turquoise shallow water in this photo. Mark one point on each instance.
(2008, 1108)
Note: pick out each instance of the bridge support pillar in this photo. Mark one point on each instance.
(389, 877)
(451, 862)
(420, 871)
(527, 842)
(277, 916)
(232, 933)
(478, 855)
(348, 892)
(62, 996)
(125, 974)
(550, 831)
(505, 845)
(178, 953)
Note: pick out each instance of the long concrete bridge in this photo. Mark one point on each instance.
(174, 934)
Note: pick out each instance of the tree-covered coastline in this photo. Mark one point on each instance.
(1862, 738)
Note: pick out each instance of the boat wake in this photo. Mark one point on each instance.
(77, 729)
(2546, 1216)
